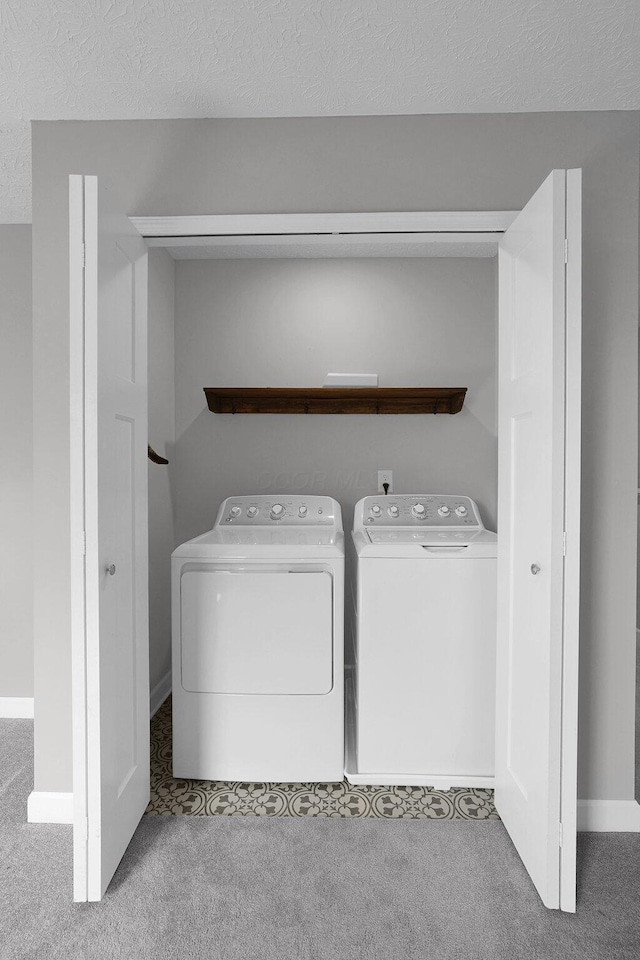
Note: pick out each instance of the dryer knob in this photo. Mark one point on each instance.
(375, 510)
(393, 511)
(418, 510)
(444, 510)
(235, 511)
(277, 511)
(302, 510)
(461, 511)
(252, 512)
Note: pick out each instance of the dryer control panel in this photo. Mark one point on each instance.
(285, 510)
(418, 510)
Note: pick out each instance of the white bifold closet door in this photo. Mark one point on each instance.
(539, 534)
(110, 642)
(538, 516)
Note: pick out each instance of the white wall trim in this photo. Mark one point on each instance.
(16, 708)
(45, 807)
(57, 807)
(619, 816)
(255, 224)
(160, 693)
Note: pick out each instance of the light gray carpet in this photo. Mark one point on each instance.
(302, 889)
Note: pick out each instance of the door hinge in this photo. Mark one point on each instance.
(566, 250)
(560, 834)
(79, 544)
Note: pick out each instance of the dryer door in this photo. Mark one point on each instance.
(256, 630)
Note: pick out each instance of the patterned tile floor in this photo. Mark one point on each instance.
(217, 798)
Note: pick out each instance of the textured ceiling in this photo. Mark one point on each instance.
(121, 59)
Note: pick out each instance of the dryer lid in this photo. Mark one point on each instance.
(271, 527)
(283, 536)
(259, 543)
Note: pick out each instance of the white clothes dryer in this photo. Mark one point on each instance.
(257, 641)
(421, 694)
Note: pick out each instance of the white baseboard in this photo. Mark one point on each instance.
(57, 807)
(159, 693)
(615, 816)
(16, 708)
(50, 807)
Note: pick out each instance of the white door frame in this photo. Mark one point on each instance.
(456, 228)
(417, 233)
(77, 281)
(198, 229)
(572, 507)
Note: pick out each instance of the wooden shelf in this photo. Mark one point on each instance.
(335, 400)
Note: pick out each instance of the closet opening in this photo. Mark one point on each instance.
(282, 312)
(399, 317)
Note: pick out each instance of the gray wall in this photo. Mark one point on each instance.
(289, 323)
(161, 370)
(365, 164)
(16, 457)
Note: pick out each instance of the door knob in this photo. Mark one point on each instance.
(110, 569)
(535, 568)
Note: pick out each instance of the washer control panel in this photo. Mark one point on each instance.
(285, 510)
(420, 510)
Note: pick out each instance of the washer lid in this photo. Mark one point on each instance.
(426, 535)
(425, 544)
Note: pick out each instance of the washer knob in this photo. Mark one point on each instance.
(302, 510)
(444, 510)
(277, 511)
(235, 511)
(418, 510)
(461, 511)
(375, 510)
(393, 511)
(252, 512)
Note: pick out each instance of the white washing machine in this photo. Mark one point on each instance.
(257, 639)
(421, 692)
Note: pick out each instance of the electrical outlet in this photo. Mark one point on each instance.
(385, 476)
